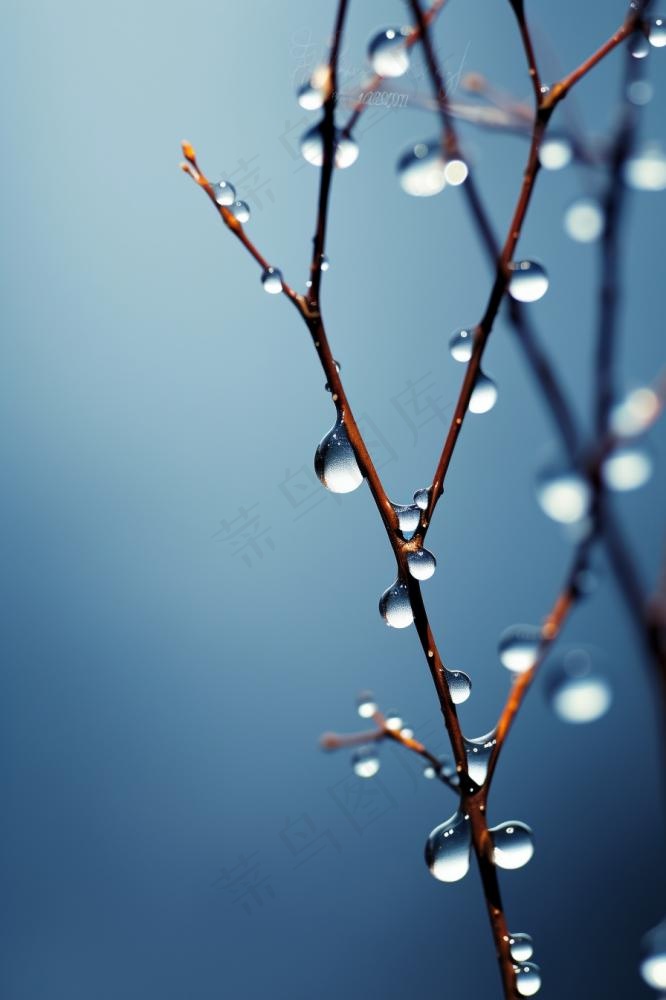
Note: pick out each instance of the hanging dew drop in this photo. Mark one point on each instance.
(578, 694)
(657, 33)
(409, 516)
(422, 498)
(240, 210)
(484, 394)
(521, 947)
(478, 756)
(271, 279)
(447, 850)
(513, 845)
(421, 564)
(518, 647)
(225, 193)
(584, 220)
(627, 468)
(460, 685)
(312, 148)
(365, 762)
(422, 170)
(461, 345)
(528, 979)
(563, 495)
(310, 97)
(335, 461)
(528, 282)
(393, 720)
(394, 606)
(366, 706)
(388, 53)
(554, 154)
(653, 961)
(639, 46)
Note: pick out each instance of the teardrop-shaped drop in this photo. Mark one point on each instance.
(421, 499)
(521, 947)
(365, 762)
(519, 647)
(563, 494)
(478, 755)
(460, 685)
(484, 394)
(447, 850)
(461, 345)
(639, 46)
(528, 979)
(528, 282)
(422, 169)
(335, 461)
(271, 279)
(513, 844)
(653, 961)
(366, 706)
(388, 53)
(409, 516)
(394, 606)
(421, 564)
(312, 148)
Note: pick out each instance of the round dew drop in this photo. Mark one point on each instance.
(657, 33)
(484, 395)
(421, 499)
(366, 706)
(335, 462)
(421, 564)
(393, 720)
(422, 170)
(635, 412)
(460, 685)
(461, 345)
(563, 495)
(520, 946)
(528, 282)
(394, 606)
(388, 54)
(528, 979)
(225, 193)
(240, 210)
(447, 850)
(646, 169)
(513, 845)
(309, 97)
(518, 647)
(271, 279)
(365, 762)
(584, 220)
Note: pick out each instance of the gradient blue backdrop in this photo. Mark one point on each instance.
(170, 829)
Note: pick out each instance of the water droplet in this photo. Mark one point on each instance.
(518, 647)
(312, 148)
(554, 154)
(421, 564)
(393, 720)
(513, 844)
(310, 97)
(653, 961)
(447, 850)
(456, 172)
(576, 692)
(421, 499)
(657, 33)
(338, 366)
(461, 345)
(394, 606)
(407, 733)
(422, 170)
(521, 947)
(563, 494)
(225, 193)
(460, 685)
(639, 46)
(645, 170)
(478, 755)
(365, 762)
(635, 412)
(627, 469)
(528, 979)
(240, 210)
(366, 706)
(271, 279)
(484, 394)
(409, 516)
(584, 220)
(324, 264)
(335, 462)
(528, 282)
(387, 52)
(446, 769)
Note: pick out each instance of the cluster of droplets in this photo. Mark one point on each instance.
(448, 847)
(345, 149)
(225, 195)
(423, 169)
(528, 975)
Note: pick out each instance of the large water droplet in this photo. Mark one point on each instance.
(627, 469)
(240, 210)
(528, 282)
(335, 462)
(460, 685)
(394, 606)
(518, 647)
(461, 345)
(576, 692)
(528, 979)
(312, 148)
(563, 494)
(366, 706)
(478, 755)
(225, 193)
(653, 961)
(554, 154)
(484, 394)
(421, 499)
(387, 52)
(421, 564)
(635, 412)
(422, 170)
(657, 33)
(409, 516)
(645, 170)
(521, 947)
(271, 279)
(584, 220)
(513, 844)
(447, 850)
(310, 97)
(365, 762)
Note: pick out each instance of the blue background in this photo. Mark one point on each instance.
(164, 693)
